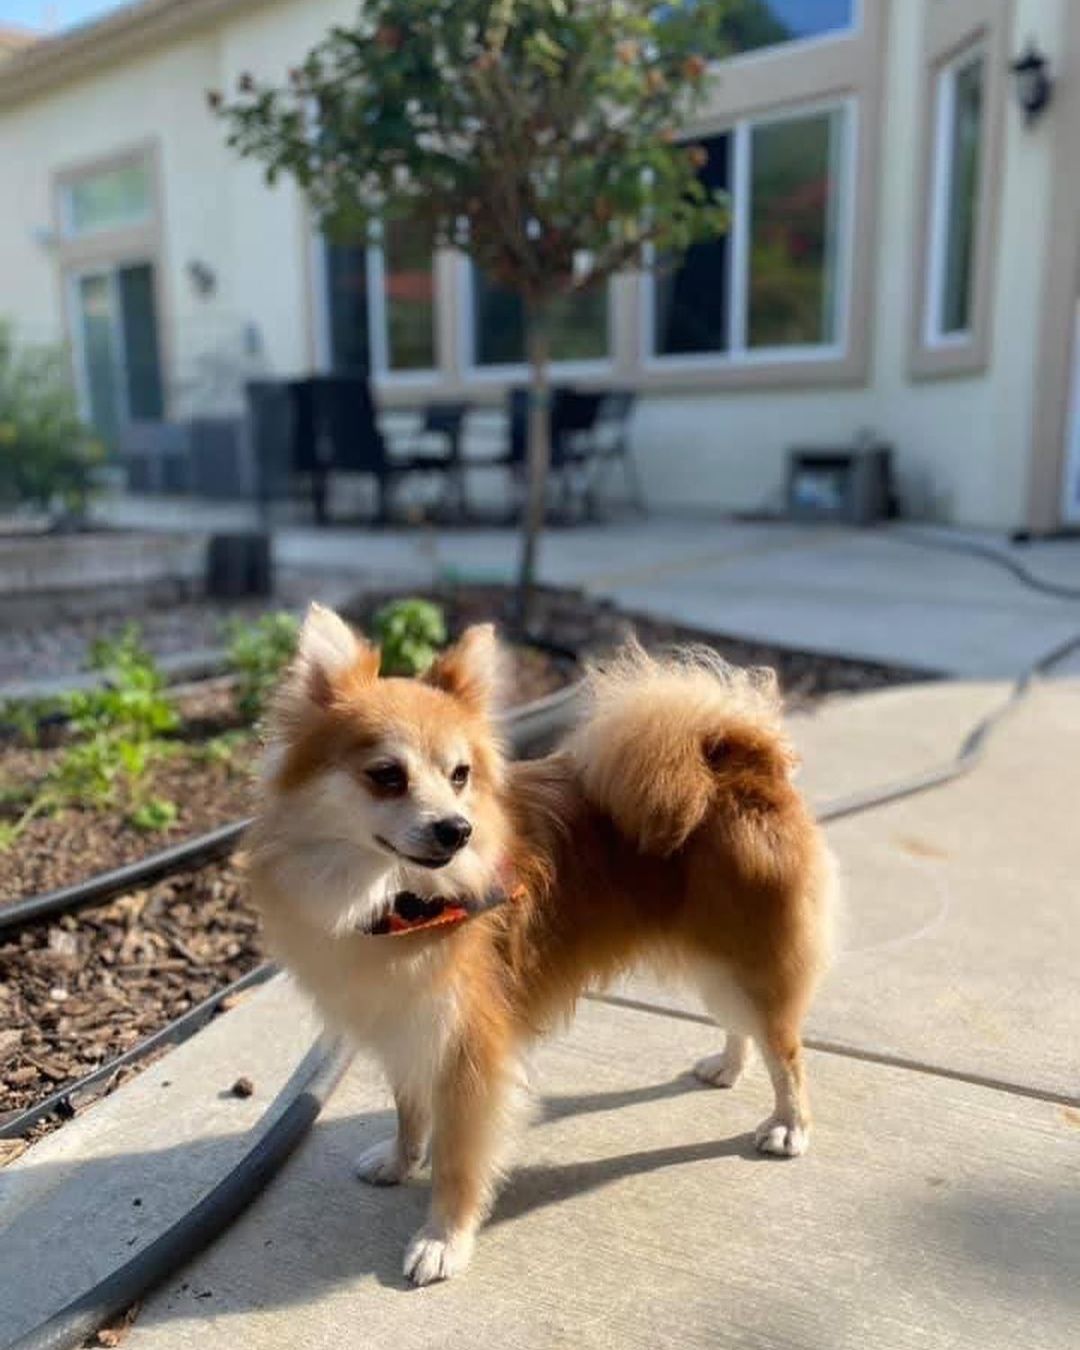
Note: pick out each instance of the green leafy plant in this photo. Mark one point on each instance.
(119, 728)
(410, 633)
(258, 652)
(156, 813)
(47, 455)
(132, 703)
(541, 137)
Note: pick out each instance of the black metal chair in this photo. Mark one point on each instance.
(321, 425)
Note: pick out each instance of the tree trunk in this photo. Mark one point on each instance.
(537, 457)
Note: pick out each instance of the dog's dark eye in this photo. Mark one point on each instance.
(389, 779)
(460, 776)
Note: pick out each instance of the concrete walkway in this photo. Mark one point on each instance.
(939, 1205)
(887, 594)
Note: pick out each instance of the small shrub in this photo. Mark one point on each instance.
(410, 633)
(46, 454)
(157, 813)
(258, 653)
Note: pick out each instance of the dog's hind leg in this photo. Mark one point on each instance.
(786, 1133)
(725, 1069)
(732, 1009)
(392, 1161)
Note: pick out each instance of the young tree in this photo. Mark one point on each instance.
(541, 137)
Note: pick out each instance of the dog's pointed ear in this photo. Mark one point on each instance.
(470, 669)
(329, 651)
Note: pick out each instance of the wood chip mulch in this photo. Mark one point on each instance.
(79, 990)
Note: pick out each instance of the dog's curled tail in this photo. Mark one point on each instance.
(663, 736)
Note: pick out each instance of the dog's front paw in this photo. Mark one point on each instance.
(781, 1138)
(383, 1165)
(435, 1255)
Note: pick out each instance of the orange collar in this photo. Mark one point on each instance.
(412, 913)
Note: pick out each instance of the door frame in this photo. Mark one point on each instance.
(1070, 451)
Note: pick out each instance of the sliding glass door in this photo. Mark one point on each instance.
(118, 365)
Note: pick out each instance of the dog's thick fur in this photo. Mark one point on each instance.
(665, 831)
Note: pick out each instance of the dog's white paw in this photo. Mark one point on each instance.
(434, 1255)
(781, 1138)
(723, 1070)
(381, 1164)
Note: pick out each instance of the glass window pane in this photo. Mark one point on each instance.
(108, 200)
(793, 218)
(346, 297)
(690, 312)
(579, 325)
(138, 316)
(97, 349)
(752, 24)
(410, 299)
(963, 179)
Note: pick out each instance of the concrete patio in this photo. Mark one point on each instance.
(939, 1205)
(891, 594)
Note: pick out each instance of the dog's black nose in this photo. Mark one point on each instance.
(452, 832)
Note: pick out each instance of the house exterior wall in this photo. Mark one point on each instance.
(965, 438)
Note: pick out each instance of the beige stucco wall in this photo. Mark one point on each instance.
(962, 442)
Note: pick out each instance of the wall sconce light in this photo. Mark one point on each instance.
(1033, 83)
(203, 278)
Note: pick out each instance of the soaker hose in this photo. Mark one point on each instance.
(192, 1232)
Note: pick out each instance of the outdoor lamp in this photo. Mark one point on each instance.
(1033, 82)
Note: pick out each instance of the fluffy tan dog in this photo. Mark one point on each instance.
(665, 831)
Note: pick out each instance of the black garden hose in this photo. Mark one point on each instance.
(190, 1234)
(96, 890)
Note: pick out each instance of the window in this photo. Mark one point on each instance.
(381, 304)
(110, 200)
(116, 346)
(773, 284)
(752, 25)
(954, 205)
(579, 325)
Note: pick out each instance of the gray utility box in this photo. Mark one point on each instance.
(850, 484)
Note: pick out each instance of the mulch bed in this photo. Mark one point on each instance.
(78, 990)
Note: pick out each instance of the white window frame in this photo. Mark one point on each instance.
(378, 323)
(797, 46)
(67, 223)
(941, 186)
(515, 370)
(739, 355)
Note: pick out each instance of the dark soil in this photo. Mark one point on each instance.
(77, 991)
